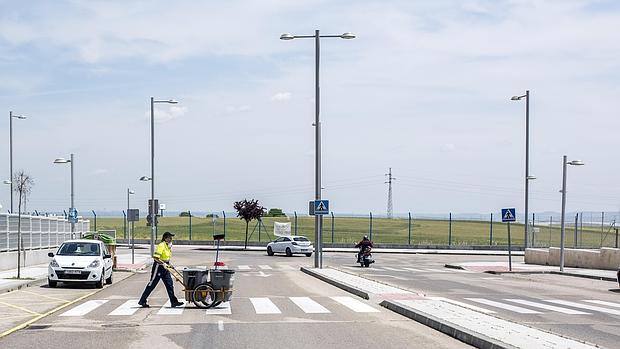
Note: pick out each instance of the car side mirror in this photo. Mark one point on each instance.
(50, 254)
(107, 256)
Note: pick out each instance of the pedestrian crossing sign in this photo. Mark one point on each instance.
(321, 207)
(509, 215)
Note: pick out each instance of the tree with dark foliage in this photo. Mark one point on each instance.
(248, 210)
(22, 186)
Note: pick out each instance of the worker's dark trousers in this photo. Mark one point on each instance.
(159, 272)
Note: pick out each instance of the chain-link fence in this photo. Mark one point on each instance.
(37, 231)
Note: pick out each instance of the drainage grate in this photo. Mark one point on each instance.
(119, 325)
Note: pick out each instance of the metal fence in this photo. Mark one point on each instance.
(37, 231)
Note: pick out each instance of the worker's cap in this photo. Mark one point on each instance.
(167, 235)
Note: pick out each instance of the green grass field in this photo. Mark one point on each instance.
(351, 229)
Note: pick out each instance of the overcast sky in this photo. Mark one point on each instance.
(424, 89)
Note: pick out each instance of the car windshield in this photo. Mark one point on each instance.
(300, 238)
(79, 249)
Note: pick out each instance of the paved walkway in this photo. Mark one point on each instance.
(520, 267)
(472, 327)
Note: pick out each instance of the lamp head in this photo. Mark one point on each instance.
(6, 181)
(145, 178)
(530, 177)
(348, 35)
(172, 101)
(131, 192)
(576, 163)
(286, 36)
(21, 117)
(515, 98)
(61, 161)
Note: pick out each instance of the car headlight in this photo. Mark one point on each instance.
(94, 264)
(54, 264)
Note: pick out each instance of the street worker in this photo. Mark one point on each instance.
(365, 242)
(161, 259)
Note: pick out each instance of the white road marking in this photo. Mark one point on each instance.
(168, 310)
(392, 269)
(222, 309)
(390, 276)
(493, 278)
(85, 308)
(220, 325)
(263, 305)
(127, 308)
(243, 267)
(309, 306)
(514, 308)
(609, 304)
(584, 306)
(416, 270)
(287, 267)
(436, 270)
(464, 305)
(265, 267)
(355, 305)
(548, 307)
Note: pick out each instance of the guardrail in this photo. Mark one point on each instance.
(37, 231)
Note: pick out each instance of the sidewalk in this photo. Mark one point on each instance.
(471, 327)
(522, 268)
(37, 274)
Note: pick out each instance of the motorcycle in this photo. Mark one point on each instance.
(365, 258)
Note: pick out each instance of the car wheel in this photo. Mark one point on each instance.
(109, 280)
(269, 251)
(308, 254)
(99, 284)
(288, 252)
(52, 283)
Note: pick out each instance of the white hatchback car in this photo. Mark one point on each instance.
(79, 261)
(290, 245)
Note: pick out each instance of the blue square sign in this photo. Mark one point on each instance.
(321, 207)
(509, 214)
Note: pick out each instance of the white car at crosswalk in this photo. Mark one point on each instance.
(290, 245)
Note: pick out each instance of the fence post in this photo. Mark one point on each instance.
(409, 240)
(259, 221)
(602, 227)
(295, 213)
(576, 223)
(550, 228)
(370, 226)
(616, 237)
(491, 231)
(124, 225)
(533, 230)
(224, 214)
(450, 230)
(190, 224)
(332, 213)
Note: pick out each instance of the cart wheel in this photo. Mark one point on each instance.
(203, 296)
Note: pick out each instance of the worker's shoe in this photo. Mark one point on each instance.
(177, 304)
(144, 305)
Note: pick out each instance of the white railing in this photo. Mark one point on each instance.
(38, 231)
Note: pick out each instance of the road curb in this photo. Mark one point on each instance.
(585, 276)
(29, 283)
(466, 336)
(338, 284)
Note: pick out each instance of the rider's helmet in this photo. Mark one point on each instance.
(365, 237)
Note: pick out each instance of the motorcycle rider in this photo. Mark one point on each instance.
(365, 242)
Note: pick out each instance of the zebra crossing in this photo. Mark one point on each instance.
(258, 306)
(408, 269)
(537, 306)
(280, 267)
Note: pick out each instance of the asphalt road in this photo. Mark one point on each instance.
(262, 314)
(579, 308)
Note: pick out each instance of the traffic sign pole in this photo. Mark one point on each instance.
(509, 249)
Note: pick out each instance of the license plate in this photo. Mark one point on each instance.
(73, 272)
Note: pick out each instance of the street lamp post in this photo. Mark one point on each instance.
(564, 163)
(11, 116)
(527, 160)
(318, 219)
(72, 161)
(154, 209)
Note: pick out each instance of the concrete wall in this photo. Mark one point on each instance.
(605, 258)
(8, 260)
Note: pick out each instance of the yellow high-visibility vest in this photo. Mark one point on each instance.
(162, 252)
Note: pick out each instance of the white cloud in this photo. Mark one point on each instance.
(165, 114)
(237, 109)
(281, 96)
